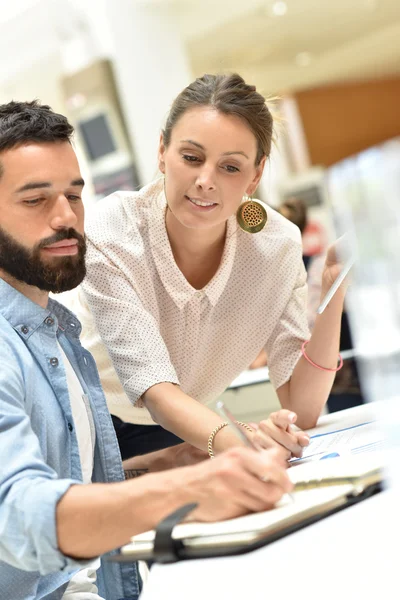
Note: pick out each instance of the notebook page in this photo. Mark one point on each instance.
(285, 509)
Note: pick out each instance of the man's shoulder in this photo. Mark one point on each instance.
(12, 348)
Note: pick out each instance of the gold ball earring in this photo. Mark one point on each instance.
(251, 215)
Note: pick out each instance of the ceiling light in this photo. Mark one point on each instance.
(279, 8)
(303, 59)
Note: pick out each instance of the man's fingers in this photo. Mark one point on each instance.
(258, 495)
(266, 466)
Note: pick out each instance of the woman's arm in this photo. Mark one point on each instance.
(308, 389)
(174, 410)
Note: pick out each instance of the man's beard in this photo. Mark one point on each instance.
(59, 274)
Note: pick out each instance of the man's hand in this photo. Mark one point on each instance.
(185, 454)
(277, 431)
(237, 482)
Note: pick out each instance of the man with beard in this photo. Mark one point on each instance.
(63, 501)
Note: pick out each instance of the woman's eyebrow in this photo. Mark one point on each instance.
(224, 153)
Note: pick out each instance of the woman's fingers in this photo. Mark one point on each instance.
(277, 430)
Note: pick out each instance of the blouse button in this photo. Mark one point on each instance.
(49, 321)
(70, 427)
(54, 361)
(24, 329)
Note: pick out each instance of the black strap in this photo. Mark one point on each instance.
(166, 549)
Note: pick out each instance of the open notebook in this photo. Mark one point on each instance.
(321, 488)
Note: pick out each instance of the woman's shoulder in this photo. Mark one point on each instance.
(278, 232)
(121, 214)
(279, 226)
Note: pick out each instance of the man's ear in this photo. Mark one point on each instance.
(256, 180)
(161, 153)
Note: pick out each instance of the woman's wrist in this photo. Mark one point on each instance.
(338, 297)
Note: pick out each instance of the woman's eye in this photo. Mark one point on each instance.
(74, 198)
(231, 169)
(190, 158)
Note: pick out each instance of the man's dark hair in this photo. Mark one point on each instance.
(24, 122)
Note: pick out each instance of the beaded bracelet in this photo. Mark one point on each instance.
(303, 350)
(215, 431)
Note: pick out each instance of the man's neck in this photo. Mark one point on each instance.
(33, 293)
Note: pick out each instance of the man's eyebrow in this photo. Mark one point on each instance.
(36, 185)
(224, 154)
(33, 185)
(78, 182)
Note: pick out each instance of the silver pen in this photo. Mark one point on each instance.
(335, 286)
(226, 414)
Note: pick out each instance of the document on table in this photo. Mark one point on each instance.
(365, 437)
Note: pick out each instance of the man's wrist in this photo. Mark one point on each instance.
(133, 473)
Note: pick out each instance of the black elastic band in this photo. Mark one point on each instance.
(166, 549)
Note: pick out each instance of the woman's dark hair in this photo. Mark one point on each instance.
(295, 210)
(230, 95)
(24, 122)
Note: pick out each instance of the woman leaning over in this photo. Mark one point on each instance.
(187, 281)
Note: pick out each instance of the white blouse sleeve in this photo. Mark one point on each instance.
(284, 344)
(129, 332)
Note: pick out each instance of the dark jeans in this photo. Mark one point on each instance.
(134, 439)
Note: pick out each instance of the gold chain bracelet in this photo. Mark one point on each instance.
(215, 431)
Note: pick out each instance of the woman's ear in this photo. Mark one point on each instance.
(161, 154)
(256, 180)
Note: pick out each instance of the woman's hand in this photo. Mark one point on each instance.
(337, 254)
(277, 431)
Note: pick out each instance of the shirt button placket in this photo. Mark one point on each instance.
(54, 361)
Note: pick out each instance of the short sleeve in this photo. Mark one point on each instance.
(129, 332)
(284, 344)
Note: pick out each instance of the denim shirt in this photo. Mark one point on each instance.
(39, 450)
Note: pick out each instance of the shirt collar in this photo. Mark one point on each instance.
(22, 313)
(177, 286)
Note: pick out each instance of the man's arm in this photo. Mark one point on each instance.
(96, 518)
(180, 455)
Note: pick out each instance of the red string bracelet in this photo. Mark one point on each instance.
(308, 359)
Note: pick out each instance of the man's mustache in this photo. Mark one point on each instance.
(63, 234)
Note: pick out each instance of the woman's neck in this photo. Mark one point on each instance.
(197, 252)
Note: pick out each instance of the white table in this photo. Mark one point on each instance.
(349, 555)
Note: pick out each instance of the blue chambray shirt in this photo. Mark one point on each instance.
(39, 450)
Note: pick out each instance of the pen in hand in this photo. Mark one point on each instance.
(336, 285)
(226, 414)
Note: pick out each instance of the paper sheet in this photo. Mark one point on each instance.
(358, 439)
